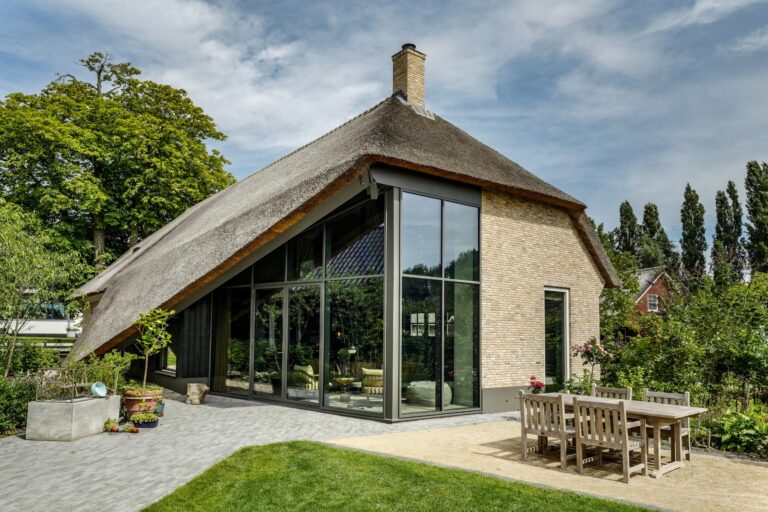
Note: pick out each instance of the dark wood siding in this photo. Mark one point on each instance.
(195, 339)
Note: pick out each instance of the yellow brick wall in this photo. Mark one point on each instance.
(527, 246)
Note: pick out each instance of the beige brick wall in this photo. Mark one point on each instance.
(527, 246)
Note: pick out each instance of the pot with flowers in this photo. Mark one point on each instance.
(153, 337)
(535, 386)
(145, 420)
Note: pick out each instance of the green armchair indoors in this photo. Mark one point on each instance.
(303, 377)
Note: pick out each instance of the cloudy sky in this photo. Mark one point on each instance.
(608, 100)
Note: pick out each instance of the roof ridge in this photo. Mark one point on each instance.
(345, 123)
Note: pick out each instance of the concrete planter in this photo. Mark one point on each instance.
(67, 420)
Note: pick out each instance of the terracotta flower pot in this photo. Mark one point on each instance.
(143, 400)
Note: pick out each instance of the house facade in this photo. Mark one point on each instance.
(654, 289)
(394, 268)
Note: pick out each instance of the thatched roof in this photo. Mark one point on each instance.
(214, 235)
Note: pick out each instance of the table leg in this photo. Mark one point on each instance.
(678, 440)
(656, 446)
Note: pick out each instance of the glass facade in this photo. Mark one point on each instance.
(307, 323)
(440, 333)
(555, 339)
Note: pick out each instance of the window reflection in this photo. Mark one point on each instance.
(305, 255)
(232, 357)
(420, 238)
(555, 343)
(356, 241)
(461, 241)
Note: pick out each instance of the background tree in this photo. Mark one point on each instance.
(655, 248)
(627, 234)
(106, 161)
(693, 243)
(36, 269)
(727, 250)
(756, 184)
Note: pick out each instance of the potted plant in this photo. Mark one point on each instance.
(111, 425)
(130, 427)
(535, 386)
(153, 337)
(145, 420)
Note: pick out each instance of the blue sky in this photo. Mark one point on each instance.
(608, 100)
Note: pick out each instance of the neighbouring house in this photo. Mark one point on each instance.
(654, 288)
(393, 268)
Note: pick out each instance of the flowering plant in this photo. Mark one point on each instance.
(536, 386)
(592, 352)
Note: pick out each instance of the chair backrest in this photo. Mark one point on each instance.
(543, 414)
(373, 381)
(600, 423)
(661, 397)
(616, 393)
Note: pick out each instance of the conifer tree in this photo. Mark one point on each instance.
(655, 248)
(627, 235)
(756, 184)
(727, 251)
(693, 243)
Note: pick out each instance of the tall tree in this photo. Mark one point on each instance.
(627, 235)
(655, 248)
(694, 242)
(108, 160)
(756, 184)
(727, 251)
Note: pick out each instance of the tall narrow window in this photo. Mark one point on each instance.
(555, 339)
(653, 303)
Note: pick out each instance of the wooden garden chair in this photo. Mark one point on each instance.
(545, 416)
(615, 393)
(603, 425)
(659, 432)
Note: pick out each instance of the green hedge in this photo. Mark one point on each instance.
(15, 393)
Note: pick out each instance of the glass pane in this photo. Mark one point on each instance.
(268, 342)
(305, 255)
(271, 268)
(462, 258)
(355, 355)
(555, 348)
(303, 343)
(420, 239)
(232, 357)
(420, 367)
(356, 241)
(462, 344)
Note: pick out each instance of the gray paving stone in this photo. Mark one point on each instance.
(124, 472)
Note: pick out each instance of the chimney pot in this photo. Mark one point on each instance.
(408, 74)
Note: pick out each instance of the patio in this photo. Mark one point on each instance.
(103, 472)
(706, 483)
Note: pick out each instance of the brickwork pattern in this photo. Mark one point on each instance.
(527, 246)
(408, 75)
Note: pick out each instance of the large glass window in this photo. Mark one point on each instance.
(270, 268)
(305, 255)
(268, 342)
(420, 237)
(461, 243)
(304, 343)
(355, 347)
(356, 241)
(440, 325)
(232, 356)
(555, 339)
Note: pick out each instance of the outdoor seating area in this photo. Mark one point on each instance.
(609, 424)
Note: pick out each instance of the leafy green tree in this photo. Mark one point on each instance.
(727, 250)
(756, 184)
(693, 242)
(107, 161)
(36, 268)
(627, 234)
(654, 247)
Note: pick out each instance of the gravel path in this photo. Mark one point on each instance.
(125, 472)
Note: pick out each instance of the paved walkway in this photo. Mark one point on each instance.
(125, 472)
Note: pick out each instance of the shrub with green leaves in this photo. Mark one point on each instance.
(15, 393)
(743, 431)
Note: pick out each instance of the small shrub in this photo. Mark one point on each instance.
(580, 386)
(15, 393)
(28, 357)
(742, 431)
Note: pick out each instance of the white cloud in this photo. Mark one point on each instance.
(756, 41)
(702, 12)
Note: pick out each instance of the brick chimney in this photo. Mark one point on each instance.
(408, 74)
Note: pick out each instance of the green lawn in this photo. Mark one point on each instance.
(311, 476)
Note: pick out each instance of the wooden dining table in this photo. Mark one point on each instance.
(656, 415)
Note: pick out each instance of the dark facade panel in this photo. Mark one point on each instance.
(194, 339)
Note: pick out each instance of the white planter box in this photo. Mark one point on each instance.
(67, 420)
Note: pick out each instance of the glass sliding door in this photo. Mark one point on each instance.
(232, 358)
(462, 344)
(303, 358)
(555, 339)
(268, 342)
(421, 347)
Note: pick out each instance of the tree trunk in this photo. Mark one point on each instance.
(99, 241)
(146, 369)
(9, 359)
